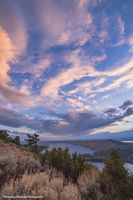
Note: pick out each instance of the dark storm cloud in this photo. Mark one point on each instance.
(80, 122)
(15, 119)
(70, 123)
(112, 112)
(127, 104)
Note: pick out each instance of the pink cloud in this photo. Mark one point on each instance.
(7, 54)
(13, 23)
(77, 70)
(64, 22)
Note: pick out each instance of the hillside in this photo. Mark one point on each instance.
(14, 162)
(12, 149)
(103, 147)
(98, 145)
(58, 175)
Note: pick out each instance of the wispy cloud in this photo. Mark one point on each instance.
(130, 42)
(71, 20)
(67, 57)
(121, 26)
(77, 70)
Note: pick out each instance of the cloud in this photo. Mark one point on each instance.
(12, 95)
(40, 67)
(12, 21)
(102, 82)
(7, 54)
(129, 84)
(127, 104)
(77, 104)
(113, 112)
(81, 122)
(105, 96)
(65, 21)
(121, 25)
(72, 123)
(130, 43)
(56, 55)
(121, 75)
(106, 81)
(14, 118)
(121, 31)
(13, 42)
(114, 85)
(77, 70)
(87, 87)
(121, 70)
(85, 122)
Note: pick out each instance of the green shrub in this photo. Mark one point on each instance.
(115, 179)
(71, 165)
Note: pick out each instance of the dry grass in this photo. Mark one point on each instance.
(50, 184)
(20, 174)
(90, 186)
(88, 179)
(70, 192)
(6, 149)
(14, 162)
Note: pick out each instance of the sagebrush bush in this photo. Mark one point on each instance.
(13, 167)
(71, 179)
(88, 179)
(70, 192)
(88, 184)
(49, 184)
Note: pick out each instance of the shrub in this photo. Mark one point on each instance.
(70, 192)
(89, 186)
(115, 179)
(32, 142)
(71, 165)
(49, 184)
(4, 136)
(13, 167)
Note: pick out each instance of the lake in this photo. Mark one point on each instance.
(72, 148)
(82, 150)
(128, 141)
(100, 166)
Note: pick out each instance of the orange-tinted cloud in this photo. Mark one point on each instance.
(7, 54)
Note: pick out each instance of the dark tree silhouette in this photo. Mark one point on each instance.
(32, 142)
(72, 165)
(4, 136)
(116, 178)
(16, 140)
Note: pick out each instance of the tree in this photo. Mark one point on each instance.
(72, 165)
(16, 140)
(4, 136)
(32, 142)
(114, 168)
(115, 177)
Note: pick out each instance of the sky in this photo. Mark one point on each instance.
(66, 68)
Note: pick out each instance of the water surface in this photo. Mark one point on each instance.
(100, 166)
(82, 150)
(72, 148)
(128, 141)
